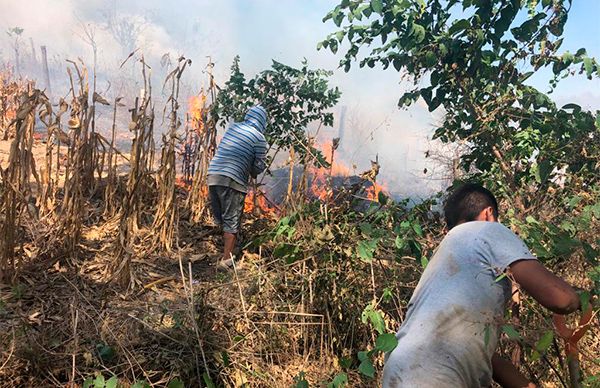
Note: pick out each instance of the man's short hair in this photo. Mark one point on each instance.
(466, 202)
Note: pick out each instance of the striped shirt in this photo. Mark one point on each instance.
(243, 149)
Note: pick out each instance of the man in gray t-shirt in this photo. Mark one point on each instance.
(450, 332)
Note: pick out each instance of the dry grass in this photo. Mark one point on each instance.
(111, 272)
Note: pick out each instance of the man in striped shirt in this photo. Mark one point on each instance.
(240, 154)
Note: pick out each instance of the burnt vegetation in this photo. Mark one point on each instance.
(107, 251)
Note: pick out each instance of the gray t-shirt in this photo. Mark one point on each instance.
(451, 327)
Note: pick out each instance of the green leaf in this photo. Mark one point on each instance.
(544, 343)
(417, 228)
(366, 368)
(338, 18)
(397, 64)
(584, 300)
(208, 381)
(366, 249)
(576, 108)
(443, 50)
(333, 45)
(430, 59)
(507, 16)
(225, 358)
(88, 383)
(382, 198)
(545, 168)
(377, 6)
(399, 242)
(370, 315)
(511, 332)
(301, 383)
(340, 380)
(140, 384)
(112, 382)
(418, 33)
(567, 58)
(531, 220)
(105, 352)
(99, 381)
(386, 342)
(366, 229)
(175, 383)
(424, 262)
(458, 26)
(588, 64)
(362, 355)
(416, 249)
(346, 362)
(286, 251)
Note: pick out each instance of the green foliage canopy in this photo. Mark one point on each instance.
(471, 60)
(294, 98)
(476, 56)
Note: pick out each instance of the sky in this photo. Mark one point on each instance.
(287, 31)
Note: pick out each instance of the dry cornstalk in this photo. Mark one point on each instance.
(166, 216)
(16, 190)
(141, 161)
(79, 164)
(110, 202)
(206, 130)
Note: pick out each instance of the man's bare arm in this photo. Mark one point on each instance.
(548, 289)
(505, 374)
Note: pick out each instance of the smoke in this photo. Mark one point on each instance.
(259, 31)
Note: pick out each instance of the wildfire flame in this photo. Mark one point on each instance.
(10, 89)
(321, 185)
(373, 191)
(197, 111)
(261, 204)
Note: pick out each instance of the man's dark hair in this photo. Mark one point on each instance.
(466, 202)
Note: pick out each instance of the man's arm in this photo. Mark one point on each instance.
(260, 155)
(505, 374)
(548, 289)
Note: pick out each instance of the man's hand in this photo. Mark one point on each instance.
(548, 289)
(507, 375)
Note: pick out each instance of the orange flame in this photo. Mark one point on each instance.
(261, 204)
(197, 111)
(320, 187)
(10, 89)
(373, 191)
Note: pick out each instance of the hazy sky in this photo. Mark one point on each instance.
(262, 30)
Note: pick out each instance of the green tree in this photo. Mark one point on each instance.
(472, 59)
(294, 98)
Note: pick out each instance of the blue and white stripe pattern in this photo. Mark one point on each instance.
(243, 149)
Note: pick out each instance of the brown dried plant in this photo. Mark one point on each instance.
(204, 126)
(138, 182)
(166, 215)
(17, 193)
